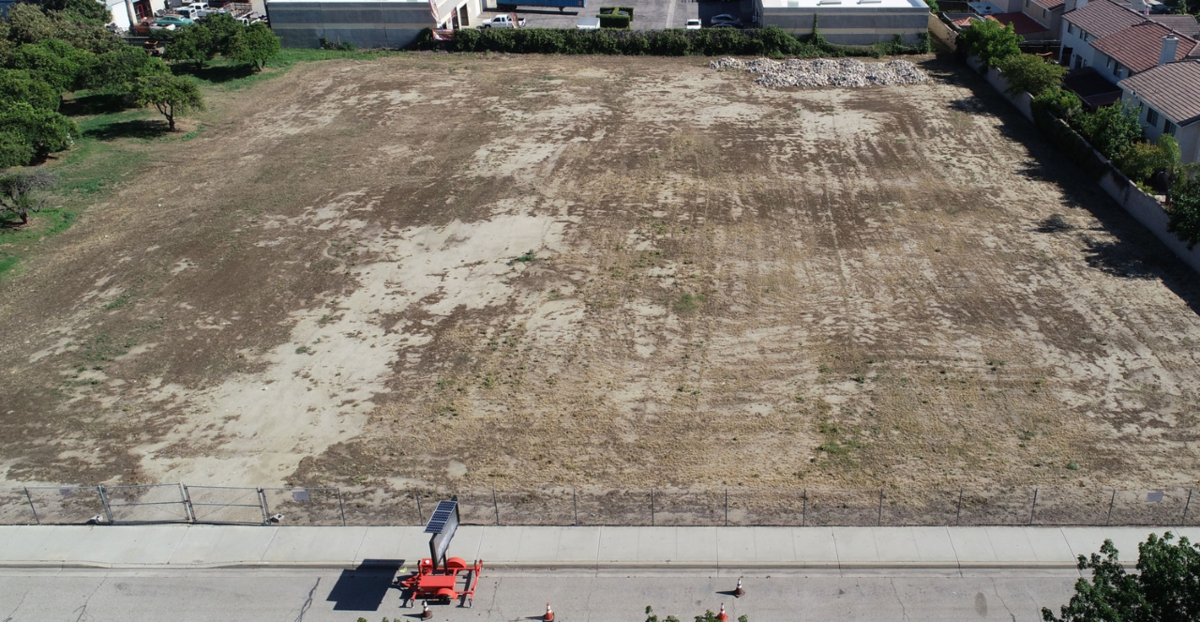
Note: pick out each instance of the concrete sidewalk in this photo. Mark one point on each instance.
(599, 548)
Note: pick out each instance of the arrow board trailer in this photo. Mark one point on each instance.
(440, 577)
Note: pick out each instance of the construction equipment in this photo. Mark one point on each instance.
(439, 577)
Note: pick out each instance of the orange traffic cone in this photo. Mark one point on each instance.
(426, 614)
(549, 617)
(738, 592)
(722, 617)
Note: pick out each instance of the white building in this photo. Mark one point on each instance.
(1169, 96)
(847, 22)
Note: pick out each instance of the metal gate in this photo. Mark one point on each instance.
(148, 503)
(65, 505)
(224, 505)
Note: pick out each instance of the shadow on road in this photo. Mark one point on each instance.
(363, 588)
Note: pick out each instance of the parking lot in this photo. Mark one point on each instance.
(647, 14)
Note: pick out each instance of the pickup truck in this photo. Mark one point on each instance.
(508, 20)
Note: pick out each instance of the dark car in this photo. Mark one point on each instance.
(725, 20)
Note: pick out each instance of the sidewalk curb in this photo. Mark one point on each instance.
(554, 565)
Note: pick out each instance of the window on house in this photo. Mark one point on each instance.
(1045, 12)
(1108, 62)
(1152, 118)
(1027, 4)
(1070, 29)
(1169, 128)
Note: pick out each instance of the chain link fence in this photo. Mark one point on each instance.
(179, 503)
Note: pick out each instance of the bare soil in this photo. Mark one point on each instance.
(611, 272)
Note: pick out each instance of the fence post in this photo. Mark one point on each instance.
(187, 503)
(726, 507)
(651, 507)
(958, 514)
(32, 508)
(575, 504)
(879, 522)
(341, 506)
(1111, 502)
(1033, 510)
(104, 502)
(804, 509)
(420, 514)
(262, 503)
(495, 505)
(1183, 521)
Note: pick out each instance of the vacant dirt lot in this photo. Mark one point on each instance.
(604, 272)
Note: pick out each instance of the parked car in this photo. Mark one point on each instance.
(725, 20)
(692, 24)
(173, 20)
(158, 24)
(508, 20)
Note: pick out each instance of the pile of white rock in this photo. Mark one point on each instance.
(824, 72)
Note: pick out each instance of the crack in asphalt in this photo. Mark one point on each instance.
(14, 611)
(996, 589)
(896, 593)
(308, 603)
(83, 608)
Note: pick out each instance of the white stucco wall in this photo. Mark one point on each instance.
(1079, 47)
(1187, 136)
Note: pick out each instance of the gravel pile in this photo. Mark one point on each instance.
(824, 72)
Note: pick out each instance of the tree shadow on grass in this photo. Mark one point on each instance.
(215, 74)
(137, 128)
(97, 103)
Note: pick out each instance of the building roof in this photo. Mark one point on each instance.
(1101, 18)
(1183, 24)
(1049, 4)
(1171, 89)
(1022, 23)
(1139, 47)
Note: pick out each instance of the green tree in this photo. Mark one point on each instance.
(987, 40)
(118, 71)
(255, 45)
(1183, 207)
(1060, 102)
(1143, 159)
(17, 85)
(1166, 588)
(191, 44)
(54, 62)
(19, 192)
(37, 132)
(27, 23)
(223, 30)
(171, 95)
(1031, 74)
(1112, 130)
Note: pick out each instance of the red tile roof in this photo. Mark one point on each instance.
(1101, 18)
(1183, 24)
(1022, 23)
(1138, 47)
(1170, 89)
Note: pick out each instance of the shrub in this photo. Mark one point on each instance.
(991, 42)
(1142, 159)
(16, 85)
(1061, 103)
(1112, 130)
(37, 132)
(1183, 209)
(1031, 74)
(609, 20)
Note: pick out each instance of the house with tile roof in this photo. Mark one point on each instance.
(1047, 14)
(1088, 22)
(1119, 42)
(1169, 97)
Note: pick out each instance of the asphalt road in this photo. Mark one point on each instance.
(289, 595)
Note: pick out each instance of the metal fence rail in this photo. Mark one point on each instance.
(178, 503)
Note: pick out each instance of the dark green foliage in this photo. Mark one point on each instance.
(1031, 74)
(1061, 103)
(52, 61)
(1166, 588)
(29, 24)
(611, 20)
(990, 42)
(195, 44)
(706, 42)
(1183, 209)
(83, 10)
(255, 45)
(223, 29)
(1112, 130)
(14, 151)
(118, 71)
(17, 85)
(171, 95)
(40, 131)
(1142, 159)
(933, 6)
(326, 44)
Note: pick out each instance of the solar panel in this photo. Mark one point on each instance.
(441, 514)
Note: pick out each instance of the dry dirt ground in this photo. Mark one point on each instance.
(610, 272)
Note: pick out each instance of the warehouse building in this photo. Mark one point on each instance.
(388, 24)
(848, 22)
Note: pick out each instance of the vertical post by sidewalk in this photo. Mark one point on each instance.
(1111, 502)
(420, 514)
(495, 505)
(575, 505)
(1183, 521)
(32, 508)
(188, 508)
(262, 503)
(651, 507)
(1033, 510)
(879, 521)
(341, 506)
(726, 507)
(104, 502)
(958, 514)
(804, 509)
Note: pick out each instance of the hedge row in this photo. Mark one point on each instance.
(772, 42)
